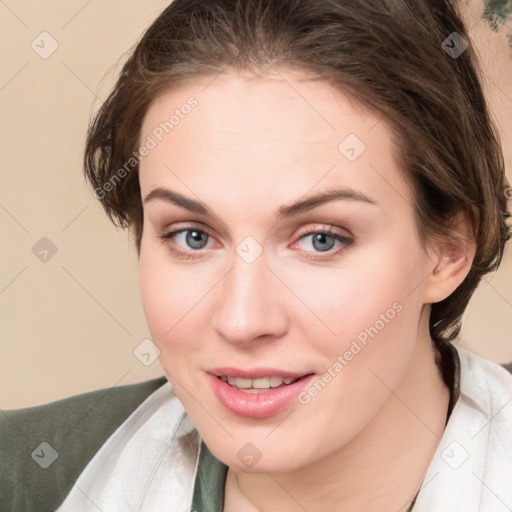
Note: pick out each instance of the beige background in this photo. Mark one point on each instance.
(71, 323)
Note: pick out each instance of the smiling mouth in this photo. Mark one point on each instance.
(260, 385)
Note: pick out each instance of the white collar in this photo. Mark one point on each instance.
(150, 461)
(472, 467)
(151, 457)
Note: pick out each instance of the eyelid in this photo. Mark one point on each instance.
(324, 228)
(303, 232)
(177, 227)
(183, 253)
(346, 239)
(175, 230)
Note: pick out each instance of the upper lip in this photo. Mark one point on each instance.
(254, 373)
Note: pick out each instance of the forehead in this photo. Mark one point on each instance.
(281, 132)
(248, 107)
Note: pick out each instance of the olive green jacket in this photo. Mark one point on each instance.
(37, 477)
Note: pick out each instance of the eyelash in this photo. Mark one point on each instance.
(345, 240)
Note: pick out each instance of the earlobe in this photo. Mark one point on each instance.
(451, 261)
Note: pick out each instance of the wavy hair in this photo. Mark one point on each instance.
(400, 58)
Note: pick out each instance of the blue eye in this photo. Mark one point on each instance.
(194, 238)
(324, 241)
(196, 241)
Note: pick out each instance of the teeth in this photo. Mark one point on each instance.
(261, 383)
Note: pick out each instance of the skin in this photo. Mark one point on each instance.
(251, 145)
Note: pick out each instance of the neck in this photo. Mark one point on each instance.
(381, 469)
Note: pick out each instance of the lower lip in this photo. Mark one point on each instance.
(257, 405)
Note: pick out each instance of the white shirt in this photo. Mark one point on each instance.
(149, 463)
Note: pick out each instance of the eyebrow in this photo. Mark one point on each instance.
(283, 211)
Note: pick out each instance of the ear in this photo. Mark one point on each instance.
(451, 258)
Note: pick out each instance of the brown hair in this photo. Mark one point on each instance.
(392, 55)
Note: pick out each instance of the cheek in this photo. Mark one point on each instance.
(372, 309)
(169, 294)
(372, 312)
(367, 287)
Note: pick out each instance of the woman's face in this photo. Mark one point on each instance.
(243, 290)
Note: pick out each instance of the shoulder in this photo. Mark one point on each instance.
(481, 367)
(487, 384)
(44, 448)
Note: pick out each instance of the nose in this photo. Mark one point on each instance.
(250, 303)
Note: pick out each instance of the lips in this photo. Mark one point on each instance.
(257, 402)
(255, 373)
